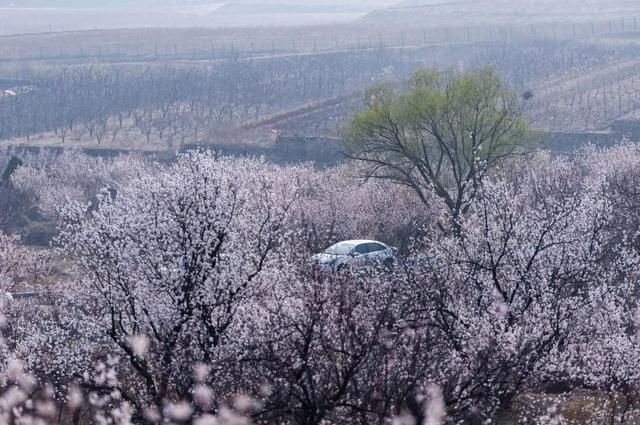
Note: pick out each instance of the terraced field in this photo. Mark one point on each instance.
(589, 100)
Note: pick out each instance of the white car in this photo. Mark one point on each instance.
(355, 254)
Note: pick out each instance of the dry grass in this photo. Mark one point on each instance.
(132, 140)
(576, 408)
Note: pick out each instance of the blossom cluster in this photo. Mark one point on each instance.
(192, 298)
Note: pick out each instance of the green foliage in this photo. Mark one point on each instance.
(439, 132)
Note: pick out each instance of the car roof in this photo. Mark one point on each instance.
(355, 242)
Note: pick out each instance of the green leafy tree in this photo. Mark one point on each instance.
(439, 134)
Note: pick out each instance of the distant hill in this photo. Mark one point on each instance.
(297, 6)
(438, 13)
(37, 16)
(291, 6)
(63, 3)
(93, 4)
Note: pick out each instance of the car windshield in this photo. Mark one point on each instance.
(339, 249)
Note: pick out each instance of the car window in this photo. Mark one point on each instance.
(373, 247)
(366, 248)
(339, 249)
(363, 248)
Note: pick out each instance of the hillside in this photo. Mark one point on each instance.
(421, 13)
(18, 4)
(254, 6)
(38, 16)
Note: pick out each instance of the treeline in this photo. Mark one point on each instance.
(179, 103)
(173, 102)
